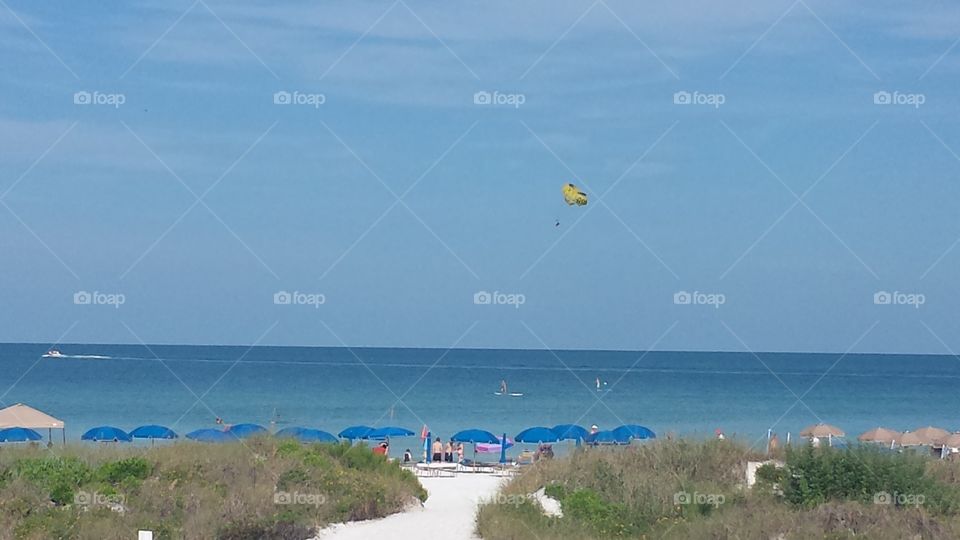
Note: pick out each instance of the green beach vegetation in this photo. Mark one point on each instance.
(696, 489)
(260, 488)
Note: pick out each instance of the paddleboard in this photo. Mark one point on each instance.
(514, 394)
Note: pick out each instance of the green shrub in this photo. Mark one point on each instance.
(264, 530)
(609, 519)
(115, 472)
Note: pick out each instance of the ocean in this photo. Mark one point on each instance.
(686, 393)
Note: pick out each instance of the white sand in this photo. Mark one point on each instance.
(449, 513)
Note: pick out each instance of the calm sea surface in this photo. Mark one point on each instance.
(187, 387)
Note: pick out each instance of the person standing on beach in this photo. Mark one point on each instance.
(459, 452)
(437, 450)
(448, 452)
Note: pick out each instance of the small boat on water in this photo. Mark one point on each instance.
(53, 353)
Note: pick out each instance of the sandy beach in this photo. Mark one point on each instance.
(448, 513)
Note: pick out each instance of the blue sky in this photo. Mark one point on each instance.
(398, 198)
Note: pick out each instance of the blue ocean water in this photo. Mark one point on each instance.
(687, 393)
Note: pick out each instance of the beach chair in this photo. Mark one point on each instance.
(526, 458)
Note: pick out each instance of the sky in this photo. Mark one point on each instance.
(762, 176)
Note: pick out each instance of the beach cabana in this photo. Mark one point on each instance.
(355, 432)
(932, 435)
(307, 435)
(822, 431)
(537, 435)
(910, 438)
(242, 431)
(880, 435)
(633, 431)
(570, 432)
(25, 416)
(19, 434)
(106, 434)
(152, 432)
(210, 436)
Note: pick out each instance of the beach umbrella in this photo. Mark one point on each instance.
(606, 437)
(211, 436)
(570, 432)
(307, 434)
(503, 449)
(910, 438)
(537, 435)
(633, 431)
(953, 441)
(19, 434)
(106, 434)
(355, 432)
(932, 435)
(475, 436)
(153, 431)
(388, 432)
(880, 435)
(242, 431)
(822, 430)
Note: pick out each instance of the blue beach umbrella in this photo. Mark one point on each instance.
(355, 432)
(567, 432)
(387, 432)
(633, 431)
(475, 436)
(19, 434)
(210, 436)
(242, 431)
(106, 434)
(307, 435)
(606, 437)
(153, 431)
(537, 435)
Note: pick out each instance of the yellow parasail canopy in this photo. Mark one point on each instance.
(573, 196)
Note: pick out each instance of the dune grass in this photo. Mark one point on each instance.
(686, 489)
(261, 488)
